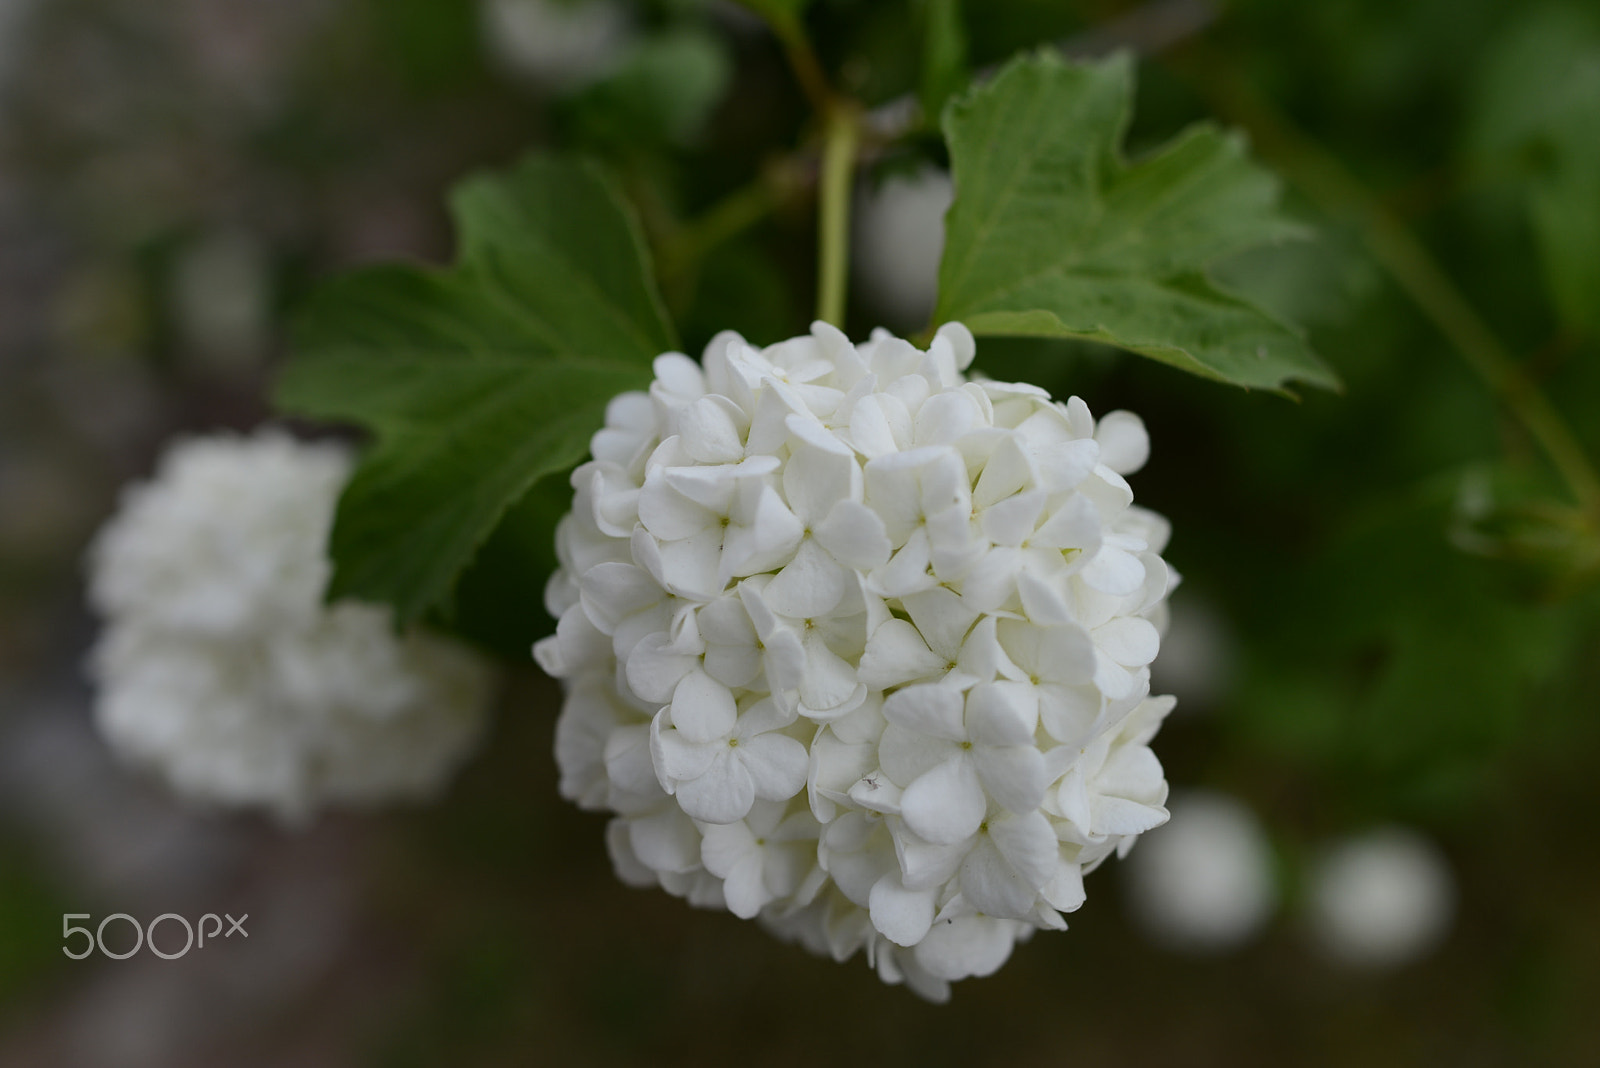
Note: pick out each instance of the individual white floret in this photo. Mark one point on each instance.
(1204, 882)
(222, 670)
(1382, 899)
(861, 647)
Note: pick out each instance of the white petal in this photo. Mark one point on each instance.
(992, 886)
(907, 755)
(962, 345)
(815, 480)
(945, 417)
(665, 840)
(1118, 815)
(1114, 571)
(1124, 443)
(1002, 713)
(942, 618)
(930, 709)
(909, 570)
(965, 947)
(1029, 845)
(1068, 713)
(1074, 525)
(1065, 465)
(1013, 775)
(668, 514)
(776, 763)
(744, 889)
(1065, 890)
(722, 795)
(900, 915)
(674, 757)
(809, 585)
(692, 568)
(712, 429)
(1011, 521)
(879, 425)
(1114, 680)
(855, 536)
(702, 708)
(828, 686)
(897, 654)
(1130, 641)
(654, 668)
(628, 760)
(629, 868)
(947, 804)
(724, 846)
(613, 591)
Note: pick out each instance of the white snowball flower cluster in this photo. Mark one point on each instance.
(221, 668)
(861, 647)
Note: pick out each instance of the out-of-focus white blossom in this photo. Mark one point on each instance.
(1382, 899)
(220, 666)
(1204, 882)
(860, 647)
(899, 237)
(221, 293)
(14, 16)
(1198, 654)
(559, 44)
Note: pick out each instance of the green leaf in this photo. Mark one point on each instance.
(1537, 116)
(663, 92)
(1053, 234)
(477, 380)
(944, 55)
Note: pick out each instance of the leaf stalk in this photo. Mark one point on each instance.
(840, 146)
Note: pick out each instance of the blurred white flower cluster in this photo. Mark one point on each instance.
(1381, 899)
(1205, 883)
(861, 647)
(1208, 883)
(557, 44)
(220, 666)
(898, 240)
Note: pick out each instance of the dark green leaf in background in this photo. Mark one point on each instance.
(1537, 118)
(662, 93)
(1053, 234)
(1422, 667)
(477, 380)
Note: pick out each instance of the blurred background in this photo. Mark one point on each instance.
(1386, 647)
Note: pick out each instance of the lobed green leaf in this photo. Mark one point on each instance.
(477, 380)
(1053, 234)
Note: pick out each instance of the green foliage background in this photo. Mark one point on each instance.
(1410, 584)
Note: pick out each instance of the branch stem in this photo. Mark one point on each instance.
(803, 61)
(1328, 182)
(841, 141)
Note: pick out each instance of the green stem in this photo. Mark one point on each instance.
(803, 61)
(1324, 178)
(841, 140)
